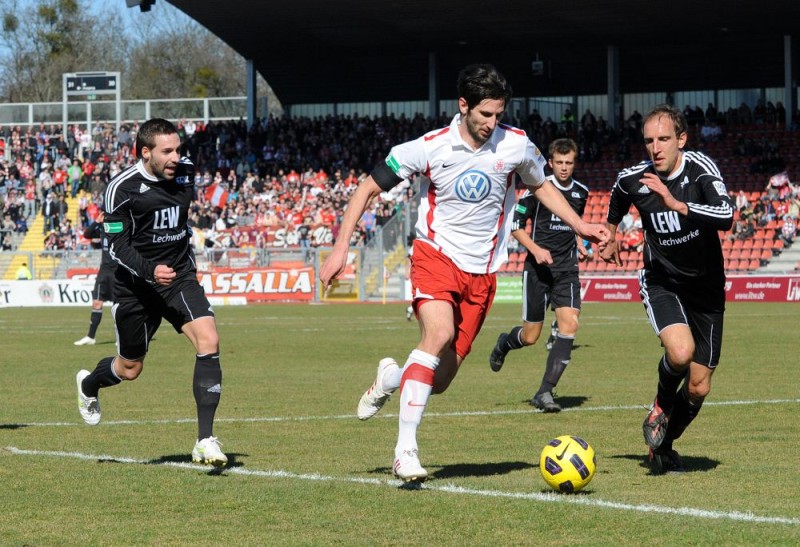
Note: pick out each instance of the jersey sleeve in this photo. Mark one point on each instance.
(619, 204)
(407, 158)
(523, 210)
(717, 211)
(118, 227)
(531, 169)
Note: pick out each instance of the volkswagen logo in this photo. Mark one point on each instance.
(472, 186)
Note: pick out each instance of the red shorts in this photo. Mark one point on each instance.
(436, 277)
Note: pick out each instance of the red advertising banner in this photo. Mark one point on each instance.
(256, 285)
(260, 284)
(778, 288)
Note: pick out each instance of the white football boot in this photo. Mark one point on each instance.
(375, 397)
(208, 451)
(407, 467)
(89, 407)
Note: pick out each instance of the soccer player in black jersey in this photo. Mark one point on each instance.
(103, 283)
(550, 277)
(146, 213)
(683, 204)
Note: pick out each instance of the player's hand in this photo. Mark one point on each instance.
(583, 254)
(163, 274)
(542, 256)
(332, 267)
(654, 183)
(610, 253)
(596, 233)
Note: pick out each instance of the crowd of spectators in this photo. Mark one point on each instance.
(779, 203)
(281, 174)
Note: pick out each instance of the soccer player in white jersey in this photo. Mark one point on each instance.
(465, 215)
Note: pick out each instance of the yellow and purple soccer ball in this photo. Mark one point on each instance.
(567, 463)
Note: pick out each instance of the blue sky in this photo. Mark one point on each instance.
(131, 17)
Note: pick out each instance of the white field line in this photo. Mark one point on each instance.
(445, 488)
(428, 415)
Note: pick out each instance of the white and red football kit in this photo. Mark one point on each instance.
(466, 209)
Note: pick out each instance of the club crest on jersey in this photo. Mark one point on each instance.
(472, 186)
(499, 166)
(719, 186)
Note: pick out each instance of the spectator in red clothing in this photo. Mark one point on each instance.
(633, 240)
(60, 181)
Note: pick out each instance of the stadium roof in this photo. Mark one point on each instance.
(361, 50)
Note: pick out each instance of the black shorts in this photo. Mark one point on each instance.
(104, 285)
(138, 318)
(542, 287)
(697, 307)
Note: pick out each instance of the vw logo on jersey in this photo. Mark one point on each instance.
(472, 186)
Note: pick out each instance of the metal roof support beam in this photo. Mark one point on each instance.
(790, 89)
(252, 93)
(613, 96)
(433, 85)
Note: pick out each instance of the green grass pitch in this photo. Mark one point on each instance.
(305, 471)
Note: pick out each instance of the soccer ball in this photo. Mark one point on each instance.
(567, 463)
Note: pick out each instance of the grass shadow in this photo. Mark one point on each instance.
(693, 464)
(184, 459)
(469, 469)
(13, 426)
(574, 401)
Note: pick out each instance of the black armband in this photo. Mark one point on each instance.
(385, 177)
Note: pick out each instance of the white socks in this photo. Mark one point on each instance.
(416, 384)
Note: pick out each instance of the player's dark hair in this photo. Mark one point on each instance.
(482, 81)
(146, 136)
(562, 146)
(672, 112)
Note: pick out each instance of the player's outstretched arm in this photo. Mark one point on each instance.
(337, 260)
(555, 202)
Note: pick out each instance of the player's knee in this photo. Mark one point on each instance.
(208, 343)
(698, 391)
(569, 326)
(680, 356)
(439, 340)
(529, 338)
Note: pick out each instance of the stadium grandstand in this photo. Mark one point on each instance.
(271, 190)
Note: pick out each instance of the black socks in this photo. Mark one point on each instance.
(557, 362)
(207, 389)
(668, 381)
(94, 322)
(101, 376)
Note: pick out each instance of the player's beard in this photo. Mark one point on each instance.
(473, 128)
(162, 173)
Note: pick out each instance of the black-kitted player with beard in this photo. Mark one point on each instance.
(683, 204)
(146, 213)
